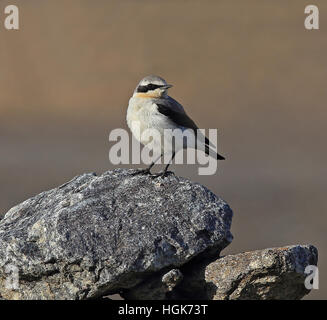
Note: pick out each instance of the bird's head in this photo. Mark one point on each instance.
(152, 87)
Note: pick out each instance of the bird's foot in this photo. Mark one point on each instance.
(162, 174)
(142, 171)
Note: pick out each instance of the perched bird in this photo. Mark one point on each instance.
(151, 108)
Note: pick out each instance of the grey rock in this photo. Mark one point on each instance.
(101, 235)
(274, 273)
(155, 288)
(172, 278)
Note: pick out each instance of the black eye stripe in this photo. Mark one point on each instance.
(148, 87)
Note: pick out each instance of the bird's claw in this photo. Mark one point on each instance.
(141, 171)
(162, 174)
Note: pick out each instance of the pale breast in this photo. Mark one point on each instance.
(141, 116)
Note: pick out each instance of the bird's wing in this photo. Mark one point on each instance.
(173, 104)
(175, 112)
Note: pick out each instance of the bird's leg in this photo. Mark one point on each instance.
(166, 172)
(147, 170)
(144, 171)
(169, 163)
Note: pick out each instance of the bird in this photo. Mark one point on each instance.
(150, 107)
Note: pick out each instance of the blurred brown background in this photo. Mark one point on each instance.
(248, 68)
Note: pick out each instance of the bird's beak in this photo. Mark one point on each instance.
(167, 86)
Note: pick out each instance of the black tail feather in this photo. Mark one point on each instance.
(211, 152)
(219, 157)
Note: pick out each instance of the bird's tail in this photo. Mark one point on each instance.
(213, 153)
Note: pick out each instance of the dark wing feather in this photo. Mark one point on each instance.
(180, 118)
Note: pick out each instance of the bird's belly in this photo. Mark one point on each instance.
(139, 121)
(148, 127)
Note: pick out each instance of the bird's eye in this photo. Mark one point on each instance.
(152, 86)
(148, 87)
(142, 89)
